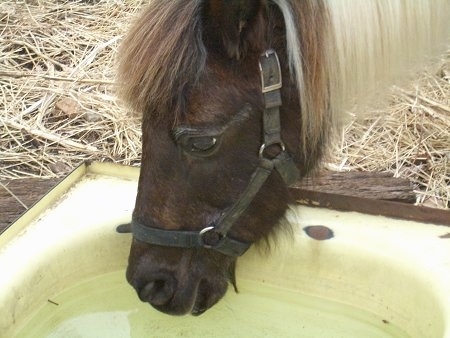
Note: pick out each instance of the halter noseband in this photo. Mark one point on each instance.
(215, 236)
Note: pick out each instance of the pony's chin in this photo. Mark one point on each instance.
(196, 309)
(195, 303)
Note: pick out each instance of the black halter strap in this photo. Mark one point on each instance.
(215, 235)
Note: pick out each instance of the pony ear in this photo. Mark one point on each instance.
(234, 26)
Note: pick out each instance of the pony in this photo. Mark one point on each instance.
(238, 99)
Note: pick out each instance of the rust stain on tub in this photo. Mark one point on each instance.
(319, 232)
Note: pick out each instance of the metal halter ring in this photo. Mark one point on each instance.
(204, 243)
(264, 146)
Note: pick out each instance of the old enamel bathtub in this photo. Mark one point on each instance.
(62, 274)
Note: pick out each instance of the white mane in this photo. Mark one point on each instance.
(372, 44)
(378, 42)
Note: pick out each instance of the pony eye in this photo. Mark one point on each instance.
(199, 145)
(203, 143)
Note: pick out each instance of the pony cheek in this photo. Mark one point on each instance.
(263, 216)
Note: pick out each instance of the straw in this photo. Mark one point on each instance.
(57, 101)
(410, 137)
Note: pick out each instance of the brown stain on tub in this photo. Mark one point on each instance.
(319, 232)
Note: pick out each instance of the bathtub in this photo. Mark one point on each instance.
(62, 273)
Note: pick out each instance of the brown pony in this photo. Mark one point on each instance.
(225, 130)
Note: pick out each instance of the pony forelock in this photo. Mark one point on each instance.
(161, 57)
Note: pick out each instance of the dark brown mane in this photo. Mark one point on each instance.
(165, 42)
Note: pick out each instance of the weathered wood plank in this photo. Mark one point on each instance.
(372, 185)
(16, 196)
(371, 206)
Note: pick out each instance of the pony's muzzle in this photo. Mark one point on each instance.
(158, 291)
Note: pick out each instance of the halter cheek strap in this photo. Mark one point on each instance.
(214, 236)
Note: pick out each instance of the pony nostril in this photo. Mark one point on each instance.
(158, 292)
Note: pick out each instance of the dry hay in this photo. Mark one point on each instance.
(58, 108)
(409, 138)
(57, 87)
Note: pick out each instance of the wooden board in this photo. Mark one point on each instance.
(368, 193)
(16, 196)
(371, 185)
(371, 206)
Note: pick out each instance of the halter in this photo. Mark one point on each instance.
(214, 236)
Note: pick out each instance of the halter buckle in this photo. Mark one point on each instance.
(269, 66)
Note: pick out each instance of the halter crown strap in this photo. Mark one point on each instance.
(215, 235)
